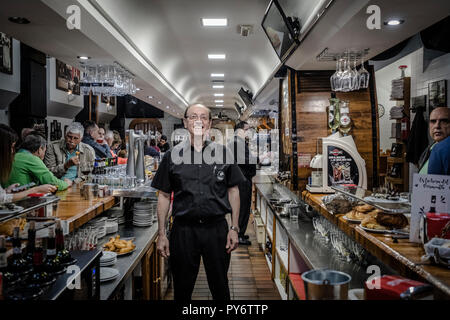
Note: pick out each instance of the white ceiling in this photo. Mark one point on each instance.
(165, 46)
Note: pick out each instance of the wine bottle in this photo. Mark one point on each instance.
(31, 243)
(333, 114)
(61, 252)
(17, 263)
(38, 277)
(52, 131)
(52, 264)
(344, 118)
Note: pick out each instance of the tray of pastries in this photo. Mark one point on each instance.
(120, 246)
(381, 222)
(359, 213)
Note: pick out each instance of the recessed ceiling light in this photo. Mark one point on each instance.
(159, 102)
(217, 86)
(19, 20)
(394, 22)
(219, 105)
(216, 56)
(150, 97)
(218, 101)
(207, 22)
(217, 75)
(218, 94)
(167, 107)
(83, 57)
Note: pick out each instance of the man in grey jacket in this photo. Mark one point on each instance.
(65, 158)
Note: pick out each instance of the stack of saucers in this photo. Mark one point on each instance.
(108, 274)
(112, 226)
(118, 213)
(108, 258)
(100, 225)
(142, 214)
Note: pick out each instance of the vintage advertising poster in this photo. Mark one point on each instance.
(342, 169)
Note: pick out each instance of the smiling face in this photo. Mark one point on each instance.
(197, 120)
(439, 124)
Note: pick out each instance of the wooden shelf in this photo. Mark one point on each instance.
(394, 180)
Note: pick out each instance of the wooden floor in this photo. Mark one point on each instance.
(249, 276)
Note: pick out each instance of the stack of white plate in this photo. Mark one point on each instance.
(108, 274)
(118, 213)
(112, 226)
(100, 225)
(142, 214)
(108, 258)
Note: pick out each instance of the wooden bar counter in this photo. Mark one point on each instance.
(76, 210)
(403, 256)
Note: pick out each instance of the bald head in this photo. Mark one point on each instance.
(439, 124)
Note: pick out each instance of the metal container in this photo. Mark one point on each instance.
(326, 285)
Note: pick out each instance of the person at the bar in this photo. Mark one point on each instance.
(439, 130)
(163, 144)
(440, 155)
(28, 165)
(8, 140)
(66, 157)
(90, 138)
(109, 138)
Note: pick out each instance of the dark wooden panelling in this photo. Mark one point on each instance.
(314, 81)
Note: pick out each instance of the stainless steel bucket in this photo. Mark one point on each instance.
(326, 285)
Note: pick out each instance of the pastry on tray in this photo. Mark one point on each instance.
(392, 221)
(364, 208)
(370, 222)
(355, 215)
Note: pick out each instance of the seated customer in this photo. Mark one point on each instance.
(440, 158)
(66, 157)
(90, 137)
(29, 167)
(8, 139)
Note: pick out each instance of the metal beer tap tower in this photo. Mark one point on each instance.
(136, 167)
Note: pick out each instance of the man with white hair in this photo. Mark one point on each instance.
(66, 157)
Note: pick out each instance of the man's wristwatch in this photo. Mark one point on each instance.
(234, 229)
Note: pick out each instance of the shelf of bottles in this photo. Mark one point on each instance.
(29, 274)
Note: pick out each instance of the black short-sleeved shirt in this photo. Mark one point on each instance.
(200, 187)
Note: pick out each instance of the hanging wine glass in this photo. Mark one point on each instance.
(346, 78)
(355, 75)
(334, 77)
(364, 75)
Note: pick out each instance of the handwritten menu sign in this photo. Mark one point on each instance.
(425, 188)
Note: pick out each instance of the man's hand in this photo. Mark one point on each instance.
(162, 245)
(69, 182)
(45, 188)
(74, 161)
(232, 241)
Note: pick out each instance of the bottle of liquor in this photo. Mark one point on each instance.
(39, 276)
(17, 263)
(333, 114)
(52, 131)
(345, 123)
(31, 243)
(61, 252)
(52, 265)
(433, 204)
(8, 279)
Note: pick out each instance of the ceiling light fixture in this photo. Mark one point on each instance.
(83, 57)
(218, 75)
(394, 22)
(217, 86)
(150, 97)
(19, 20)
(216, 56)
(167, 107)
(219, 105)
(218, 101)
(218, 94)
(207, 22)
(159, 102)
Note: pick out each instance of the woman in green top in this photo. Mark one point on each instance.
(29, 167)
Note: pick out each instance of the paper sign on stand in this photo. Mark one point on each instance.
(425, 186)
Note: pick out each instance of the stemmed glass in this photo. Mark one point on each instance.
(346, 77)
(355, 75)
(336, 77)
(364, 75)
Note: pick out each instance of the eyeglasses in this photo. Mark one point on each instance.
(194, 117)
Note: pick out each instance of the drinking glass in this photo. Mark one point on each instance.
(346, 77)
(364, 76)
(336, 77)
(355, 75)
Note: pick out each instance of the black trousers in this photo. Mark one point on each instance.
(245, 195)
(190, 240)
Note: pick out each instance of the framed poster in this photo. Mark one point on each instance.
(6, 54)
(104, 99)
(67, 78)
(437, 94)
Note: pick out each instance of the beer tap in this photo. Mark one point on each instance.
(140, 161)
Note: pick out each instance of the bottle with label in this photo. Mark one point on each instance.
(345, 123)
(39, 277)
(52, 265)
(61, 252)
(31, 243)
(333, 114)
(17, 263)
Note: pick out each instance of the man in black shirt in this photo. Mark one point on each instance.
(163, 145)
(205, 188)
(247, 164)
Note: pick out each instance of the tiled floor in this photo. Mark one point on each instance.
(249, 276)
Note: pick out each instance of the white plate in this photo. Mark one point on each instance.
(142, 224)
(107, 274)
(351, 220)
(378, 200)
(108, 255)
(107, 264)
(374, 230)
